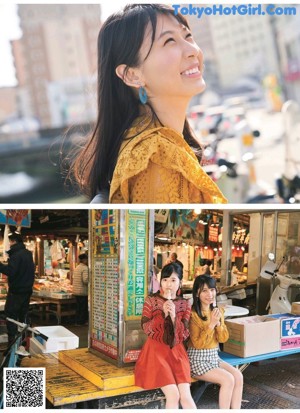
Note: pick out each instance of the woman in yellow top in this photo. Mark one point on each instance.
(142, 149)
(207, 330)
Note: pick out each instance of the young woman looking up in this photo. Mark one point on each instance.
(142, 149)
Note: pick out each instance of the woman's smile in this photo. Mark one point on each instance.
(193, 72)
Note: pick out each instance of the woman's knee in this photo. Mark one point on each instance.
(227, 380)
(171, 393)
(238, 378)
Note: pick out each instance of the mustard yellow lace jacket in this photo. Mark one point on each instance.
(202, 336)
(158, 166)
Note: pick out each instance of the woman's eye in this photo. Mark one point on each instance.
(169, 40)
(188, 35)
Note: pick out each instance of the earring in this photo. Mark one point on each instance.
(178, 293)
(143, 95)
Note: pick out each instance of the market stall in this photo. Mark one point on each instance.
(55, 238)
(196, 236)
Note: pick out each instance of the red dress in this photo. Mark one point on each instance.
(163, 359)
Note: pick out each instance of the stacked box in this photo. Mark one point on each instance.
(251, 336)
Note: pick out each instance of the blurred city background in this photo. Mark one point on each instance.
(248, 119)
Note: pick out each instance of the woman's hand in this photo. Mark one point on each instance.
(169, 309)
(215, 319)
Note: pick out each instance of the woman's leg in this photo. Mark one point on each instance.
(226, 383)
(186, 399)
(171, 393)
(237, 393)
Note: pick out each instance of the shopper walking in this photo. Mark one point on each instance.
(20, 277)
(142, 149)
(163, 361)
(207, 330)
(80, 289)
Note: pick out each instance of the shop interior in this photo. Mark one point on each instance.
(196, 237)
(234, 245)
(56, 238)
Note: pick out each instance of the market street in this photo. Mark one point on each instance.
(269, 147)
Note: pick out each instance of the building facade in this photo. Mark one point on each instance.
(58, 45)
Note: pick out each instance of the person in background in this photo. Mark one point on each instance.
(163, 361)
(142, 149)
(20, 277)
(80, 289)
(207, 330)
(173, 258)
(207, 268)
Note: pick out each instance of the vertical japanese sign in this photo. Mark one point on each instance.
(136, 258)
(105, 282)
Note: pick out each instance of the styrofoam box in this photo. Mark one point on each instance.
(59, 338)
(35, 347)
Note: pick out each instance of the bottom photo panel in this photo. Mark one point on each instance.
(150, 309)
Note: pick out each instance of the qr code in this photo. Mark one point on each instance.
(24, 387)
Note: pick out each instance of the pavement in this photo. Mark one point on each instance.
(270, 384)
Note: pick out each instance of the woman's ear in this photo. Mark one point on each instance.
(130, 76)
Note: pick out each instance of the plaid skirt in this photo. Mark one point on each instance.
(203, 360)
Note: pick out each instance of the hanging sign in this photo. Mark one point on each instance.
(17, 217)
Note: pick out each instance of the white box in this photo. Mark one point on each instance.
(59, 338)
(35, 347)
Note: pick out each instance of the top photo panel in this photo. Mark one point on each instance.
(150, 103)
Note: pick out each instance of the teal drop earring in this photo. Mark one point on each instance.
(143, 95)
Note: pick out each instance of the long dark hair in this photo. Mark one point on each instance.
(198, 286)
(119, 42)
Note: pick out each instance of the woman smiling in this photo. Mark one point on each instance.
(142, 149)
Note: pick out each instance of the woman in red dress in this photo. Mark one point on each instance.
(163, 361)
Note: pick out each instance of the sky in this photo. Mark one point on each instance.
(9, 23)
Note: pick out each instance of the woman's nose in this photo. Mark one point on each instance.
(193, 50)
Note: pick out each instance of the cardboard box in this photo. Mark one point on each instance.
(289, 343)
(250, 336)
(289, 324)
(59, 338)
(295, 308)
